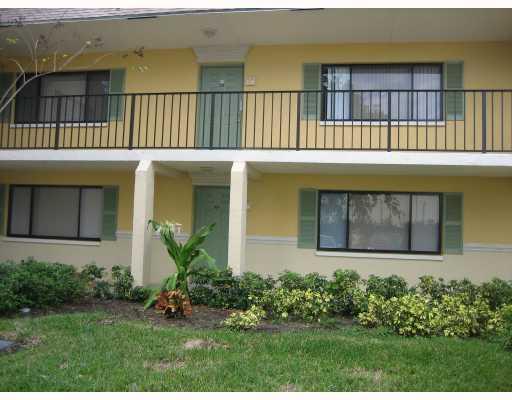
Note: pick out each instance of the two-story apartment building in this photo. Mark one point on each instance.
(376, 140)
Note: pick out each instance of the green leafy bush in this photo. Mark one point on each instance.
(291, 280)
(418, 314)
(432, 287)
(122, 282)
(140, 294)
(461, 317)
(316, 282)
(388, 287)
(282, 303)
(506, 318)
(348, 297)
(102, 290)
(218, 287)
(31, 283)
(245, 320)
(497, 292)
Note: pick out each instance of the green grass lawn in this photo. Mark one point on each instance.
(77, 352)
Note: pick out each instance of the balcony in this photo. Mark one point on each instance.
(398, 120)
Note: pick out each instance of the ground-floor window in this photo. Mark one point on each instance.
(56, 212)
(377, 221)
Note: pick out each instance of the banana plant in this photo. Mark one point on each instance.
(184, 256)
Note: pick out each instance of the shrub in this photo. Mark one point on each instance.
(140, 294)
(122, 282)
(93, 277)
(506, 317)
(37, 284)
(432, 287)
(200, 294)
(291, 280)
(244, 320)
(316, 282)
(217, 287)
(102, 290)
(418, 314)
(463, 318)
(388, 287)
(306, 304)
(374, 314)
(91, 273)
(348, 297)
(497, 292)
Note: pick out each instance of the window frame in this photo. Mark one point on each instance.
(323, 111)
(38, 81)
(30, 235)
(439, 195)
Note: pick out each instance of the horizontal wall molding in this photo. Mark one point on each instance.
(292, 241)
(272, 240)
(487, 247)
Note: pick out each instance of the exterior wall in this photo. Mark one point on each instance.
(272, 224)
(274, 200)
(172, 122)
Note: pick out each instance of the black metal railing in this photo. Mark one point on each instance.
(390, 120)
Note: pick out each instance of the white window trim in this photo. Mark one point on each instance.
(51, 241)
(382, 123)
(62, 125)
(392, 256)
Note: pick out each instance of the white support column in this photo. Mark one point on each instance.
(143, 197)
(237, 217)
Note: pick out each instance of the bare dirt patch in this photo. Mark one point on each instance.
(202, 344)
(203, 317)
(375, 376)
(288, 388)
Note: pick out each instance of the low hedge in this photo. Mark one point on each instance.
(37, 284)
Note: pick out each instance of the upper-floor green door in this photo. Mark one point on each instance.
(220, 107)
(211, 205)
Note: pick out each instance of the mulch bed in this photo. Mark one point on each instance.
(202, 317)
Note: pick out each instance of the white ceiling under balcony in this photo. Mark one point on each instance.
(242, 27)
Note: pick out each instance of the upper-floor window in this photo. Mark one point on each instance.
(82, 98)
(366, 92)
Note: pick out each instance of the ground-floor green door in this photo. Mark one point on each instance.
(211, 205)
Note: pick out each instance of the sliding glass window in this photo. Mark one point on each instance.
(83, 98)
(380, 222)
(402, 92)
(55, 212)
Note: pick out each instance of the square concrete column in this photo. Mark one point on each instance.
(237, 217)
(143, 197)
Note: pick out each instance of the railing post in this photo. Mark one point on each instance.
(484, 122)
(297, 140)
(389, 121)
(212, 119)
(57, 124)
(132, 116)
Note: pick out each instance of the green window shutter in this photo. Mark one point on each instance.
(307, 218)
(311, 102)
(117, 78)
(453, 212)
(110, 203)
(3, 192)
(454, 79)
(6, 79)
